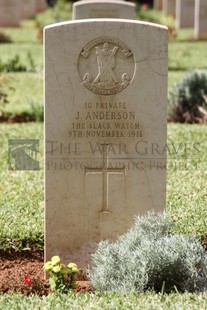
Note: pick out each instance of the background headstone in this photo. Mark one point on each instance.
(185, 11)
(200, 19)
(168, 7)
(28, 8)
(41, 5)
(103, 9)
(10, 13)
(105, 131)
(157, 5)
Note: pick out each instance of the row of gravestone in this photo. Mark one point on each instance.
(105, 127)
(188, 14)
(86, 9)
(13, 11)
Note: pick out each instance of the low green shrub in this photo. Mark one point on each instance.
(3, 95)
(153, 16)
(187, 98)
(148, 15)
(37, 110)
(4, 89)
(61, 276)
(15, 65)
(4, 38)
(62, 11)
(148, 258)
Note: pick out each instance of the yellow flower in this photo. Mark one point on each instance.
(72, 265)
(75, 270)
(63, 269)
(55, 260)
(69, 271)
(66, 270)
(56, 269)
(48, 266)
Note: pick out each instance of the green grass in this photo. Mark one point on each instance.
(22, 191)
(115, 301)
(185, 55)
(8, 51)
(187, 179)
(21, 201)
(184, 35)
(174, 77)
(27, 88)
(21, 35)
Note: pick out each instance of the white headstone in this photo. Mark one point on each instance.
(200, 19)
(105, 131)
(28, 8)
(103, 9)
(157, 4)
(168, 7)
(185, 10)
(10, 13)
(41, 5)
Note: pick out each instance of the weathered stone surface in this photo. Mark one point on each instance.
(200, 19)
(41, 5)
(157, 4)
(28, 8)
(168, 7)
(185, 10)
(103, 9)
(10, 13)
(105, 131)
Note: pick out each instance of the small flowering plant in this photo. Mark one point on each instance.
(27, 280)
(31, 286)
(61, 276)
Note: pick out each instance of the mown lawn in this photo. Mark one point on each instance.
(8, 51)
(22, 191)
(26, 89)
(102, 301)
(187, 55)
(187, 178)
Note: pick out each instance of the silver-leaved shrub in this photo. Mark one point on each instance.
(187, 101)
(147, 257)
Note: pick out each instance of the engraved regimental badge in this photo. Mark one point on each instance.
(106, 66)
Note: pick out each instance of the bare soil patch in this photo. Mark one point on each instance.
(23, 272)
(16, 118)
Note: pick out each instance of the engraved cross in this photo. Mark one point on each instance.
(105, 170)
